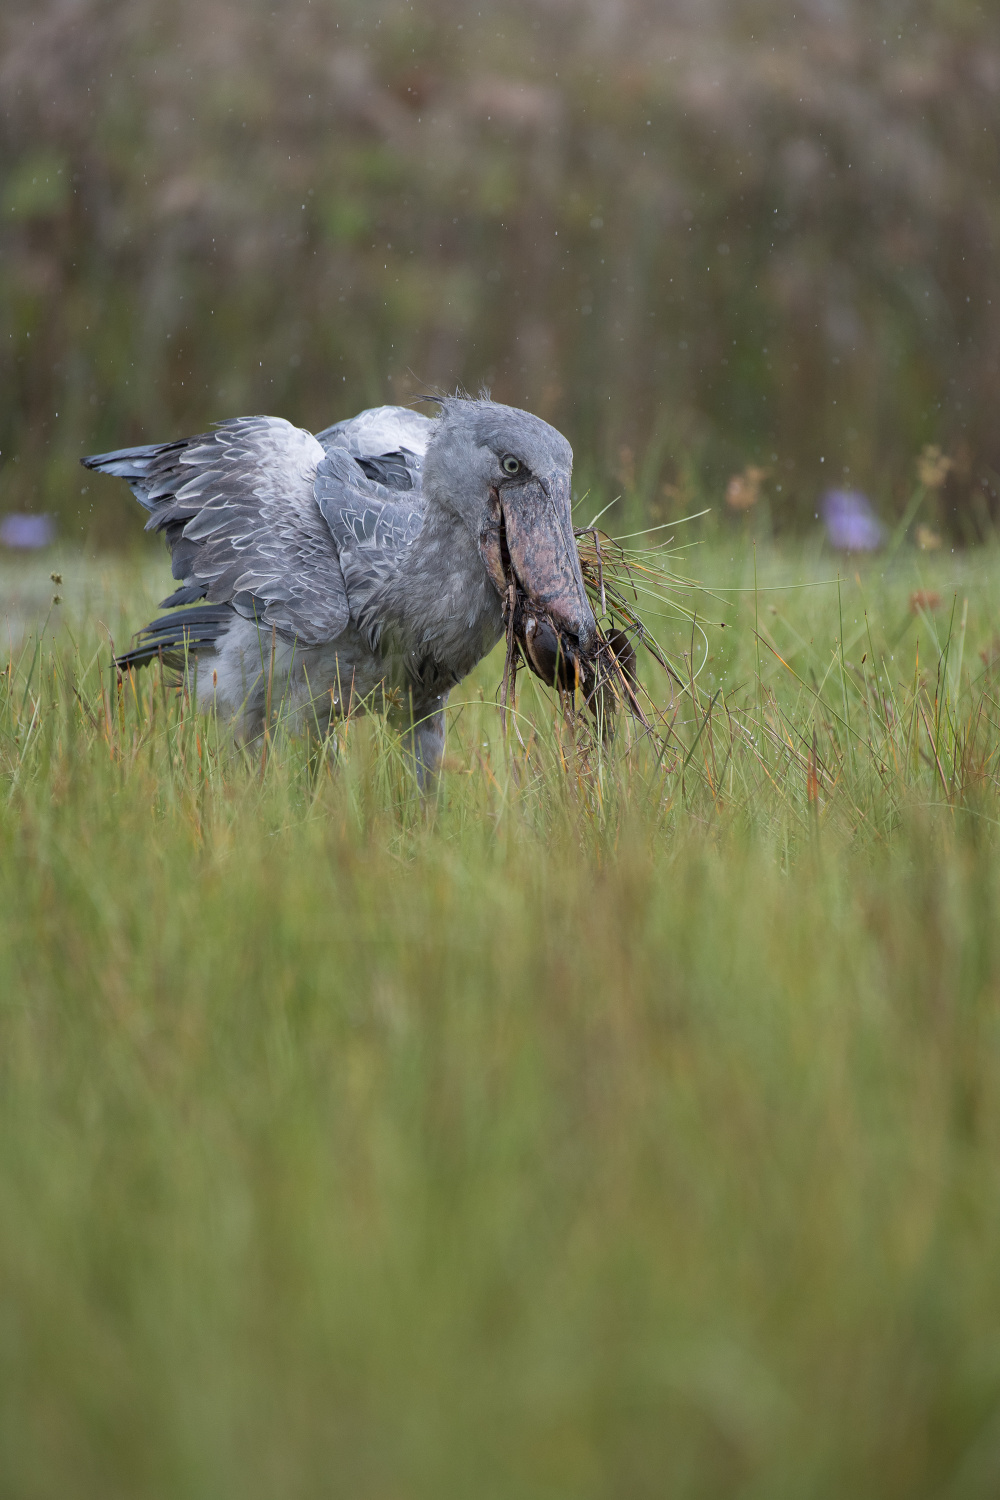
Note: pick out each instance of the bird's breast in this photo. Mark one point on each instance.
(452, 628)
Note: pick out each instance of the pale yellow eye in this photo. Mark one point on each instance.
(510, 464)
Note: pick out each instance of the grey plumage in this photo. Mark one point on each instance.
(240, 518)
(369, 561)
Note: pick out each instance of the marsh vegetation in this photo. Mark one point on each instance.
(610, 1117)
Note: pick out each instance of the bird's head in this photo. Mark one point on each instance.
(506, 475)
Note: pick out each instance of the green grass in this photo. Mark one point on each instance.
(603, 1128)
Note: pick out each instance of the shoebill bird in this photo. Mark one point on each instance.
(363, 567)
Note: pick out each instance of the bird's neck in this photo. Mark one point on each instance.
(444, 605)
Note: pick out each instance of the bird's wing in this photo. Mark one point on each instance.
(380, 430)
(239, 511)
(388, 442)
(372, 525)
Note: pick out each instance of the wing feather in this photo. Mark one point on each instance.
(380, 430)
(238, 509)
(372, 525)
(297, 531)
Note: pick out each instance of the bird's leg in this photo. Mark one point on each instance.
(425, 743)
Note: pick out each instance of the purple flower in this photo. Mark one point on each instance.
(850, 521)
(27, 532)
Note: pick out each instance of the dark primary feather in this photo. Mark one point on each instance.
(397, 471)
(175, 637)
(188, 593)
(135, 465)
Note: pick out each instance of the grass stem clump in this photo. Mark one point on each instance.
(621, 1120)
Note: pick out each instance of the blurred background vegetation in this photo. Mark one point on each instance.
(696, 234)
